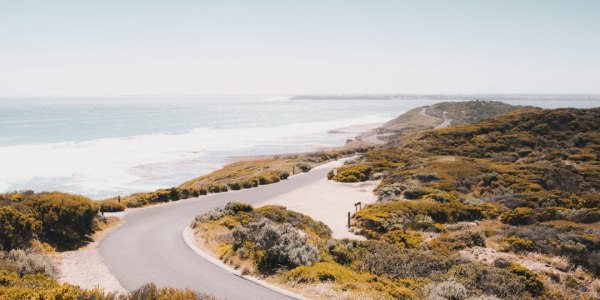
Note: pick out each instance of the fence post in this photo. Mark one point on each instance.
(348, 219)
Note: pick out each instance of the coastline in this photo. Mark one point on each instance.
(96, 273)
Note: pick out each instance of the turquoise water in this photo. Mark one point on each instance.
(102, 147)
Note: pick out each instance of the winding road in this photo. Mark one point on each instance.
(149, 246)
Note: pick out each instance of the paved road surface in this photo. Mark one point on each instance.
(149, 246)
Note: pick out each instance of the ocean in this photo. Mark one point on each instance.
(107, 146)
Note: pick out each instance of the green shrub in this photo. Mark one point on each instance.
(584, 215)
(426, 177)
(408, 239)
(284, 174)
(17, 229)
(392, 215)
(262, 180)
(457, 241)
(282, 215)
(322, 272)
(304, 167)
(351, 173)
(391, 191)
(27, 262)
(277, 246)
(151, 291)
(40, 286)
(533, 284)
(518, 216)
(232, 208)
(442, 197)
(111, 206)
(234, 186)
(67, 220)
(218, 188)
(348, 279)
(518, 244)
(445, 290)
(249, 184)
(416, 192)
(485, 279)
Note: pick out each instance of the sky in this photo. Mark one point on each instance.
(281, 47)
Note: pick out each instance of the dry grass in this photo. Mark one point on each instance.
(244, 170)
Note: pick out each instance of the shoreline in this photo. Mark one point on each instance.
(96, 272)
(135, 164)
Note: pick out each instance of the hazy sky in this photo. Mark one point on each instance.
(115, 47)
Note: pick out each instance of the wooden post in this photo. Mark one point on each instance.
(359, 205)
(119, 199)
(348, 219)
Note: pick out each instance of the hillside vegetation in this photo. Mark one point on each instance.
(506, 208)
(34, 225)
(523, 185)
(61, 220)
(297, 252)
(235, 176)
(428, 117)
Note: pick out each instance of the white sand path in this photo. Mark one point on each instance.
(86, 268)
(329, 202)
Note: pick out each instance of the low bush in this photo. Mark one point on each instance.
(445, 290)
(40, 286)
(483, 279)
(426, 177)
(67, 220)
(384, 259)
(282, 215)
(347, 279)
(151, 291)
(234, 186)
(25, 262)
(249, 184)
(408, 239)
(392, 191)
(111, 206)
(218, 188)
(518, 216)
(17, 229)
(457, 241)
(351, 173)
(580, 245)
(533, 284)
(275, 246)
(231, 208)
(518, 244)
(304, 167)
(416, 192)
(442, 197)
(393, 215)
(284, 175)
(584, 215)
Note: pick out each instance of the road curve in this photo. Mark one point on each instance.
(149, 246)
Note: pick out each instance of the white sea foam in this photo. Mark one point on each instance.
(105, 167)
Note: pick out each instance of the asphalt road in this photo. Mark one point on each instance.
(149, 246)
